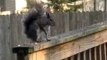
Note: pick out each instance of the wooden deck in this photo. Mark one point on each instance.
(70, 44)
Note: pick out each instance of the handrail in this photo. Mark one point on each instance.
(70, 36)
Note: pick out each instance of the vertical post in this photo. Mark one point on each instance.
(20, 56)
(105, 3)
(83, 7)
(95, 53)
(100, 52)
(105, 50)
(67, 22)
(90, 54)
(94, 5)
(78, 56)
(84, 55)
(21, 52)
(72, 58)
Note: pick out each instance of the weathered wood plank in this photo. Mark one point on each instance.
(78, 58)
(100, 52)
(87, 54)
(14, 30)
(2, 46)
(72, 58)
(66, 22)
(72, 18)
(7, 37)
(95, 53)
(84, 55)
(105, 52)
(90, 54)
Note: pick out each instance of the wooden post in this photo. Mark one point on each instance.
(105, 50)
(95, 53)
(100, 52)
(84, 53)
(94, 5)
(78, 56)
(105, 7)
(21, 52)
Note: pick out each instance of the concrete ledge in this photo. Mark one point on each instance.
(70, 36)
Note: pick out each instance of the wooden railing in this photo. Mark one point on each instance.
(95, 53)
(74, 46)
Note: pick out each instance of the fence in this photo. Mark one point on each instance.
(11, 28)
(13, 24)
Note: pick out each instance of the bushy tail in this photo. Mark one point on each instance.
(31, 33)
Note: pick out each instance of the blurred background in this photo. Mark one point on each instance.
(18, 6)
